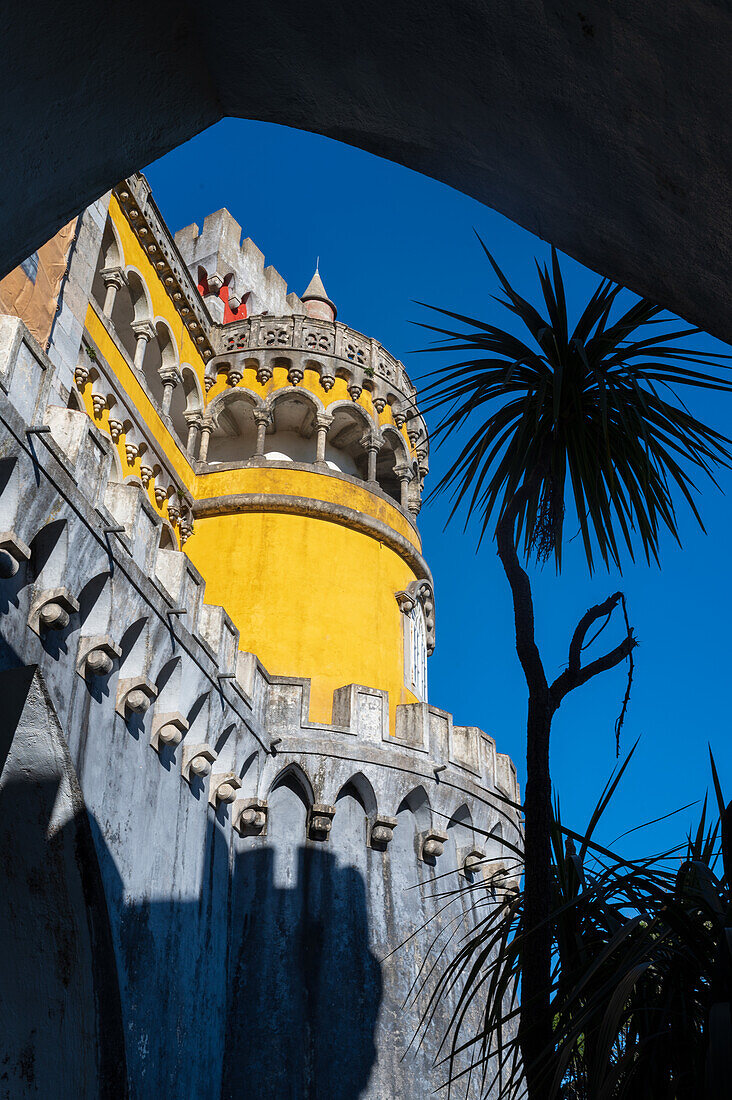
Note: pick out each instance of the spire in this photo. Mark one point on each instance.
(316, 301)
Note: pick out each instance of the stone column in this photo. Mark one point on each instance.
(371, 443)
(323, 422)
(263, 419)
(143, 331)
(193, 420)
(206, 429)
(114, 280)
(169, 378)
(405, 476)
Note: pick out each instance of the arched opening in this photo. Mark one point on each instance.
(291, 436)
(289, 802)
(392, 454)
(161, 354)
(131, 305)
(234, 438)
(343, 450)
(187, 399)
(110, 257)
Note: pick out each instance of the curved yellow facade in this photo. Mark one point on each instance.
(311, 598)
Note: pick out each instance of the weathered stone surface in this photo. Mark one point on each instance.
(241, 891)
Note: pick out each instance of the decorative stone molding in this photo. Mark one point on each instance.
(13, 551)
(135, 694)
(318, 338)
(381, 832)
(249, 817)
(420, 591)
(320, 821)
(96, 656)
(431, 844)
(134, 197)
(167, 729)
(196, 761)
(222, 788)
(471, 861)
(143, 330)
(52, 610)
(116, 427)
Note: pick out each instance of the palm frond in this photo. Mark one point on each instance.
(578, 415)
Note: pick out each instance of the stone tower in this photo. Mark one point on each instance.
(216, 620)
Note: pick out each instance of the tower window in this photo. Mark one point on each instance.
(417, 658)
(30, 267)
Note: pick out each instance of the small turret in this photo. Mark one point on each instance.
(316, 301)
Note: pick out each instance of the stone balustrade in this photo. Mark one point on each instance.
(328, 344)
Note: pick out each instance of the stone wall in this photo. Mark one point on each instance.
(210, 888)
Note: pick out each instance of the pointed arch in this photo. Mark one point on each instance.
(294, 778)
(360, 788)
(418, 804)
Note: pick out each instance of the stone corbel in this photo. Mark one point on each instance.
(431, 845)
(13, 551)
(196, 761)
(420, 592)
(135, 694)
(249, 817)
(320, 821)
(264, 372)
(381, 832)
(51, 610)
(96, 656)
(222, 788)
(471, 862)
(327, 377)
(167, 729)
(215, 282)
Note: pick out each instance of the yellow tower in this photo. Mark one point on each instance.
(309, 472)
(285, 449)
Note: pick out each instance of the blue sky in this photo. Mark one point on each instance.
(388, 237)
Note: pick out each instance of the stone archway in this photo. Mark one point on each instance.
(600, 130)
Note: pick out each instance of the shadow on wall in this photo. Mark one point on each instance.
(262, 985)
(306, 988)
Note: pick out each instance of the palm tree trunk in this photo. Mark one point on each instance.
(535, 1028)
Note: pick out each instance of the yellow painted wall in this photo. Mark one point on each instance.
(311, 598)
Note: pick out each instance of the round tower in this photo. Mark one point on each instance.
(310, 464)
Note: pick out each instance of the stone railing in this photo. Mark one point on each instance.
(317, 339)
